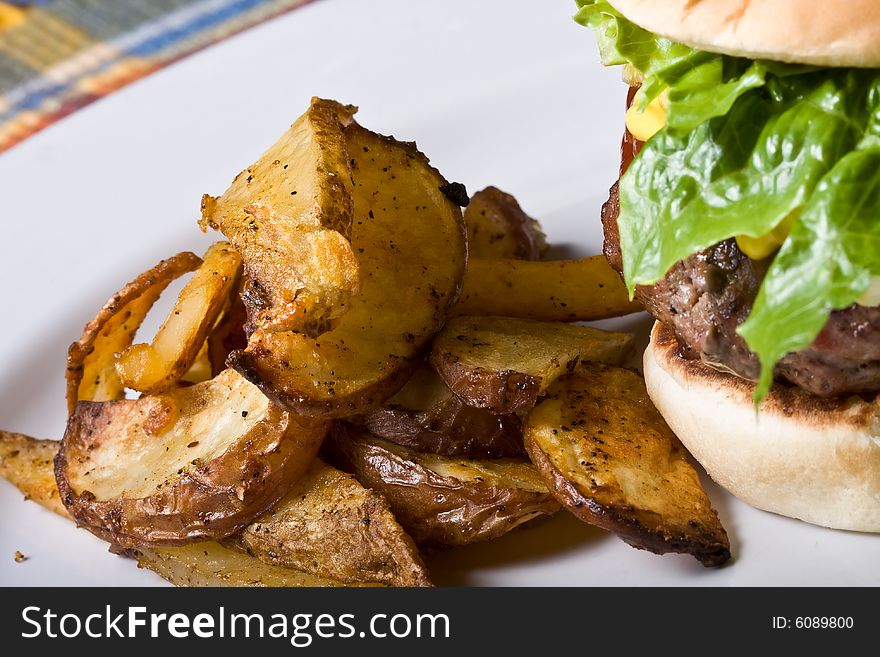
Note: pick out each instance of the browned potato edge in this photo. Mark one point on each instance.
(210, 501)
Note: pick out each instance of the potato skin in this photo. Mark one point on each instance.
(208, 563)
(451, 429)
(498, 228)
(426, 416)
(623, 521)
(331, 526)
(289, 215)
(209, 500)
(610, 458)
(504, 364)
(503, 391)
(91, 372)
(411, 273)
(199, 305)
(436, 510)
(27, 463)
(247, 363)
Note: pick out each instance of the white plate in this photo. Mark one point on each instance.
(497, 92)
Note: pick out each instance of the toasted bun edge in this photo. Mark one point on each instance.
(843, 33)
(803, 457)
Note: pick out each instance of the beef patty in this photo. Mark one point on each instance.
(705, 297)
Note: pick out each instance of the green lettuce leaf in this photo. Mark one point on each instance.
(622, 42)
(826, 263)
(740, 174)
(748, 144)
(702, 85)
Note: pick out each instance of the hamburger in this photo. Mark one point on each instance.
(746, 219)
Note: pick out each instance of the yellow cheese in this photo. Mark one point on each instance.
(871, 296)
(758, 248)
(645, 122)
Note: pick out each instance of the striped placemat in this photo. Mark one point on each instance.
(59, 55)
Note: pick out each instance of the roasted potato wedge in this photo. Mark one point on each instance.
(198, 462)
(610, 458)
(411, 249)
(28, 464)
(505, 364)
(91, 360)
(228, 335)
(289, 215)
(427, 417)
(498, 228)
(549, 290)
(444, 501)
(330, 525)
(200, 370)
(210, 564)
(155, 367)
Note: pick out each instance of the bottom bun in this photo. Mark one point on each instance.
(801, 456)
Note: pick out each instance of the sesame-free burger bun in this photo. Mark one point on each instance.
(802, 456)
(842, 33)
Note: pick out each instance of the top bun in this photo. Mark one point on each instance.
(842, 33)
